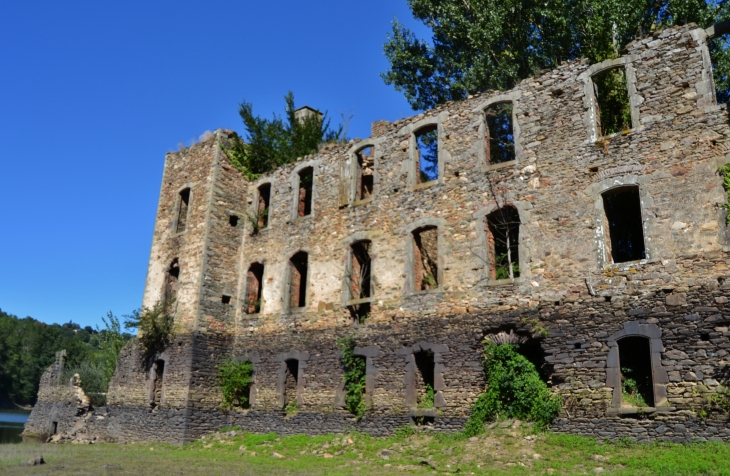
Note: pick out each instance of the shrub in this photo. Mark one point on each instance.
(514, 390)
(354, 377)
(94, 381)
(155, 324)
(234, 380)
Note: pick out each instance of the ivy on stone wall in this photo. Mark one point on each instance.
(725, 174)
(234, 380)
(354, 377)
(514, 390)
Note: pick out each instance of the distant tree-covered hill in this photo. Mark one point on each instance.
(28, 347)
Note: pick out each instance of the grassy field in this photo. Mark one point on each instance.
(502, 450)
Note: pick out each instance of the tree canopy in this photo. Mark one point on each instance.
(492, 44)
(270, 143)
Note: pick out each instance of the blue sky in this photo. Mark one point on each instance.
(92, 95)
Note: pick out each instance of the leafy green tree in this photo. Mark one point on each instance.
(492, 44)
(155, 325)
(235, 379)
(270, 143)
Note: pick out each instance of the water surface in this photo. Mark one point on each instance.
(11, 425)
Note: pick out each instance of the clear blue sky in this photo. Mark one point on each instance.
(92, 95)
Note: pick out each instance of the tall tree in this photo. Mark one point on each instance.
(492, 44)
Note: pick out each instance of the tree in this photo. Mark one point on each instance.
(492, 44)
(270, 143)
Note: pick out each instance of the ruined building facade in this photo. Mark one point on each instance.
(504, 212)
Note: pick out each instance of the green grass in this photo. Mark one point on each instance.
(499, 451)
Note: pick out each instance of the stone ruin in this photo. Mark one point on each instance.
(505, 214)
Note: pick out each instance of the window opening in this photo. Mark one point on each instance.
(612, 101)
(503, 243)
(291, 382)
(423, 420)
(359, 312)
(427, 156)
(500, 135)
(359, 275)
(225, 299)
(425, 260)
(182, 215)
(623, 215)
(637, 389)
(172, 281)
(262, 208)
(157, 389)
(298, 284)
(425, 392)
(254, 288)
(233, 220)
(705, 336)
(306, 180)
(55, 427)
(365, 170)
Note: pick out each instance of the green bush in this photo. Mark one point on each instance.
(354, 377)
(156, 326)
(234, 380)
(94, 380)
(514, 390)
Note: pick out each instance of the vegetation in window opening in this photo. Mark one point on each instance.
(270, 143)
(427, 399)
(724, 172)
(429, 282)
(155, 325)
(248, 305)
(258, 221)
(630, 392)
(428, 157)
(292, 408)
(514, 390)
(504, 227)
(613, 101)
(355, 377)
(501, 139)
(235, 379)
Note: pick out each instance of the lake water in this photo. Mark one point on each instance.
(11, 425)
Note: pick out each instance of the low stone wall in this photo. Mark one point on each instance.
(677, 428)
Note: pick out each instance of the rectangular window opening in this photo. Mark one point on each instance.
(306, 181)
(427, 154)
(637, 387)
(298, 266)
(182, 214)
(359, 272)
(500, 135)
(225, 299)
(172, 281)
(623, 218)
(55, 427)
(425, 259)
(365, 171)
(717, 47)
(427, 421)
(503, 243)
(425, 393)
(262, 208)
(159, 374)
(612, 101)
(254, 288)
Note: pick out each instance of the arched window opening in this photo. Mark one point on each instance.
(171, 281)
(262, 207)
(182, 213)
(298, 269)
(425, 392)
(612, 101)
(365, 171)
(427, 154)
(306, 182)
(359, 270)
(291, 382)
(425, 259)
(530, 347)
(622, 206)
(637, 386)
(254, 289)
(503, 240)
(500, 140)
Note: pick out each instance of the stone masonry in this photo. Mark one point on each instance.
(574, 301)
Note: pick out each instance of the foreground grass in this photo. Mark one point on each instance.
(499, 451)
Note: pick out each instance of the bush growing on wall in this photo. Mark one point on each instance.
(234, 380)
(155, 324)
(514, 390)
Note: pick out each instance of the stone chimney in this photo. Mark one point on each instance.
(305, 112)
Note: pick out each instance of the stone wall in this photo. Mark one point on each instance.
(568, 286)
